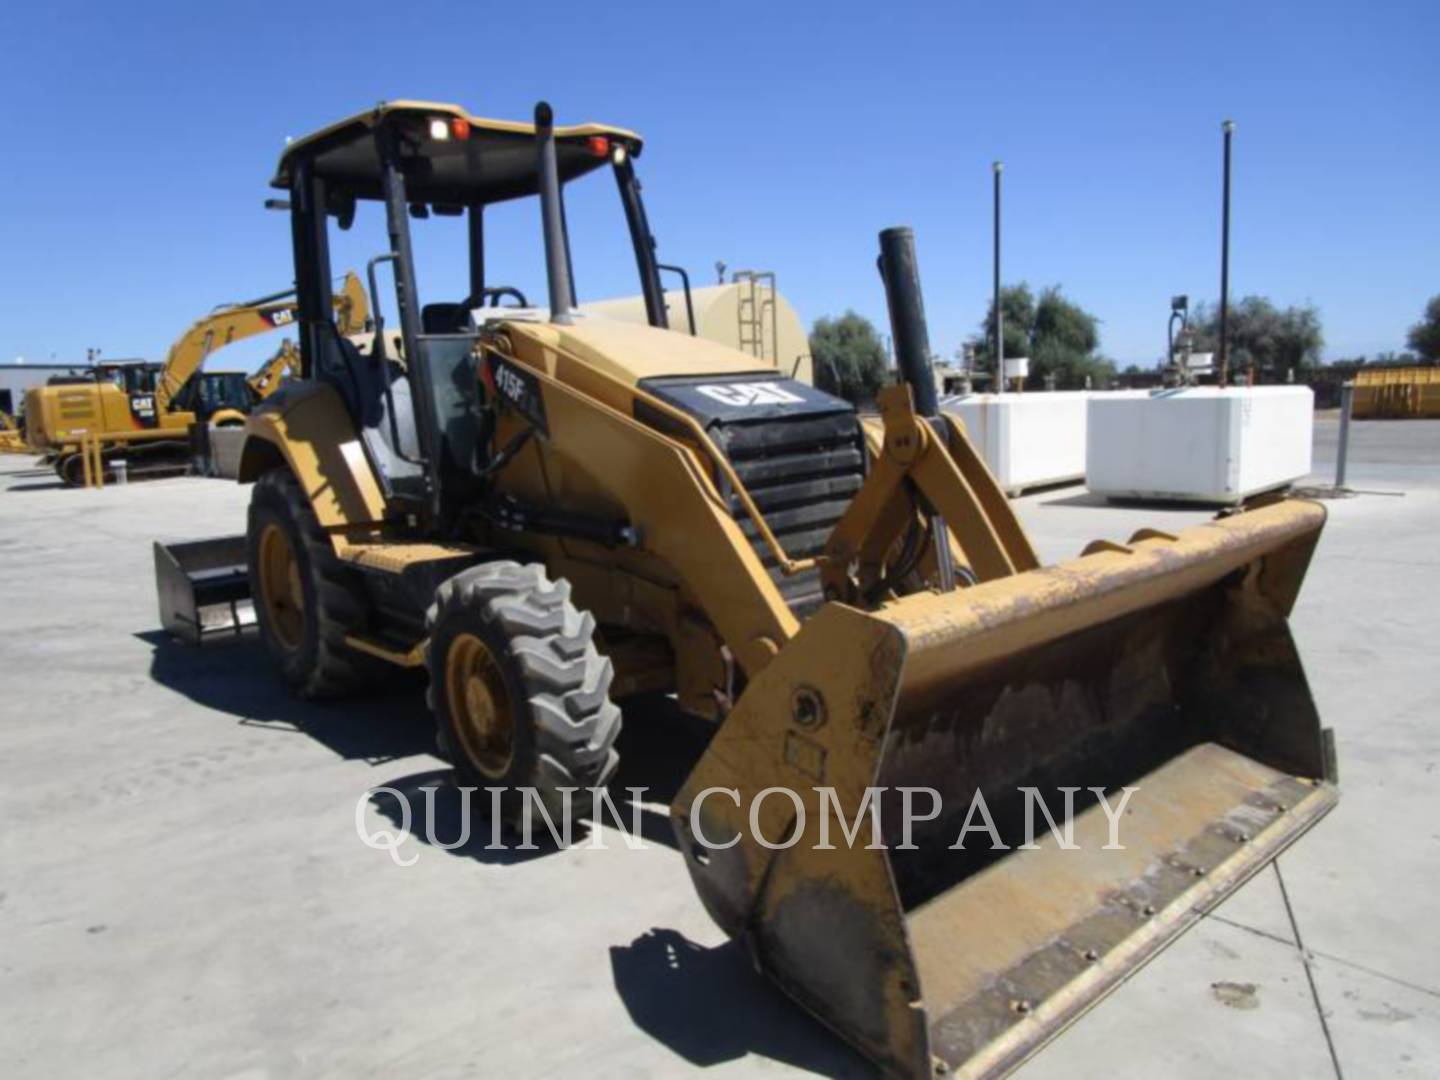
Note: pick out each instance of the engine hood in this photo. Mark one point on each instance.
(630, 353)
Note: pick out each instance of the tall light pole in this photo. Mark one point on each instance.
(998, 168)
(1228, 127)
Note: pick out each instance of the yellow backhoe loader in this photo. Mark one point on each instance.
(149, 424)
(549, 511)
(285, 363)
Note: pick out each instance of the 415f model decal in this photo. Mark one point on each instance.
(520, 389)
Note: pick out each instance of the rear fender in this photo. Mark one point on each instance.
(307, 428)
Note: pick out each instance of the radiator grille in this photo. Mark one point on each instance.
(799, 452)
(802, 490)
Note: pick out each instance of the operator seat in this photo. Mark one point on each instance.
(386, 421)
(444, 318)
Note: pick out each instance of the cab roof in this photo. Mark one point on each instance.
(477, 160)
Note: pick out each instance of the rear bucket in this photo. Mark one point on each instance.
(203, 588)
(1164, 666)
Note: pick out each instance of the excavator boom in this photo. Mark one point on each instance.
(236, 322)
(149, 424)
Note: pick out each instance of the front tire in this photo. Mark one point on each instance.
(306, 599)
(520, 694)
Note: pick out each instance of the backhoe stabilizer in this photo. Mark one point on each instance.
(1164, 666)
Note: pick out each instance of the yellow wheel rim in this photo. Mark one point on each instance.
(281, 590)
(479, 705)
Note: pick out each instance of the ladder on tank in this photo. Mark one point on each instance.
(756, 313)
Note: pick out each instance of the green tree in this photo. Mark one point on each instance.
(849, 358)
(1017, 304)
(1272, 340)
(1424, 336)
(1058, 335)
(1394, 359)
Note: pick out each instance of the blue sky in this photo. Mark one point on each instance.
(139, 139)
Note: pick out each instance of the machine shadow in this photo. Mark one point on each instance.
(1083, 499)
(668, 984)
(1089, 500)
(237, 677)
(40, 485)
(428, 807)
(658, 747)
(673, 990)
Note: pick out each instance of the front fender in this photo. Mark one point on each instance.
(307, 428)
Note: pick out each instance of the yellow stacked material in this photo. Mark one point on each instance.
(1397, 393)
(11, 439)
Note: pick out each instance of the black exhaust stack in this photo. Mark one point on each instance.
(901, 274)
(557, 256)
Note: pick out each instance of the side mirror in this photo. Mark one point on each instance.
(343, 208)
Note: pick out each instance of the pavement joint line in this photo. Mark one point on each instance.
(1423, 564)
(1342, 961)
(1251, 929)
(1309, 974)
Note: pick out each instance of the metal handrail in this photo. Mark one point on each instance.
(685, 283)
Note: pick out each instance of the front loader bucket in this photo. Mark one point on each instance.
(1165, 666)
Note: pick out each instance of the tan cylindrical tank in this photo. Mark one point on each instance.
(739, 315)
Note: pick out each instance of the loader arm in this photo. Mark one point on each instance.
(987, 537)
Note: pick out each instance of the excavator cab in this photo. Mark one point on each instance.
(136, 378)
(211, 394)
(550, 510)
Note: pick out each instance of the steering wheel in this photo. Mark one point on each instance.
(478, 299)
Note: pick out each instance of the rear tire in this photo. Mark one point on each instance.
(306, 599)
(520, 694)
(69, 468)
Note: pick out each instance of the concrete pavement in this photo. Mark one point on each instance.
(182, 890)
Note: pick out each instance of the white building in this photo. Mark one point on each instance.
(17, 377)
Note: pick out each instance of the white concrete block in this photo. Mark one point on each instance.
(1027, 440)
(1198, 444)
(226, 444)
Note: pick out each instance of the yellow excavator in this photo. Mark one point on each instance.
(148, 423)
(549, 511)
